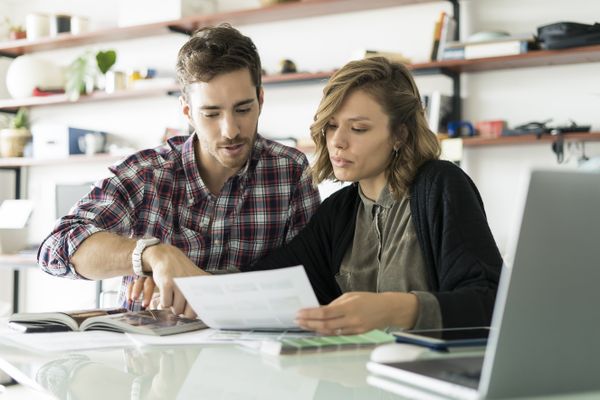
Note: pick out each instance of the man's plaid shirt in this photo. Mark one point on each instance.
(160, 193)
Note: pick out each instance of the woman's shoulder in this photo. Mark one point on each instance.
(437, 167)
(347, 194)
(340, 202)
(440, 171)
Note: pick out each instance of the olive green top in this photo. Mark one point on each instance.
(385, 256)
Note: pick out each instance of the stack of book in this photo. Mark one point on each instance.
(444, 32)
(505, 46)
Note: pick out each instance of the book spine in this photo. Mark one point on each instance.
(455, 53)
(437, 32)
(446, 35)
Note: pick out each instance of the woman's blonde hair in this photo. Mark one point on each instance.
(392, 86)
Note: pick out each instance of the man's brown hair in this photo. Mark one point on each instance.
(216, 50)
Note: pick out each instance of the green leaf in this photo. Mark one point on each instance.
(80, 70)
(105, 60)
(20, 120)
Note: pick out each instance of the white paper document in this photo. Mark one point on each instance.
(248, 338)
(250, 300)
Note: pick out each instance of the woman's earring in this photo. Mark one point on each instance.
(323, 132)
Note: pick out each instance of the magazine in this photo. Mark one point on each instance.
(148, 322)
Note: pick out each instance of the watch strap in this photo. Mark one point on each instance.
(136, 255)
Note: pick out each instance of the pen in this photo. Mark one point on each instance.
(135, 305)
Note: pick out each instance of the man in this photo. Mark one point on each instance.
(212, 202)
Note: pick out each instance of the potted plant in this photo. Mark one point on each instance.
(16, 32)
(104, 60)
(14, 138)
(85, 69)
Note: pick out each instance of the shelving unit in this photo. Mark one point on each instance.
(288, 11)
(11, 105)
(278, 12)
(536, 58)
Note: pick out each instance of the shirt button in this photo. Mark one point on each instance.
(217, 242)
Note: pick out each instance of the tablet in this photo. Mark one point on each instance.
(445, 339)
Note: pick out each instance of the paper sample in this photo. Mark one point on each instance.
(250, 300)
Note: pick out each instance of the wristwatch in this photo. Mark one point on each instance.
(136, 256)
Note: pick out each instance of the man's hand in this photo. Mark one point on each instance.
(143, 285)
(358, 312)
(167, 262)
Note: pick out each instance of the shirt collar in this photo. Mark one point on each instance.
(385, 200)
(195, 187)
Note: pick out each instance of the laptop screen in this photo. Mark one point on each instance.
(546, 325)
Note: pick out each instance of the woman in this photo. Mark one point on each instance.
(407, 245)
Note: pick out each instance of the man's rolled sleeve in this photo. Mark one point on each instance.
(57, 249)
(104, 208)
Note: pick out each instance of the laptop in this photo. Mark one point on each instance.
(545, 335)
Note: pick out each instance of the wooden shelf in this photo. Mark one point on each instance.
(14, 104)
(528, 139)
(536, 58)
(278, 12)
(297, 77)
(14, 162)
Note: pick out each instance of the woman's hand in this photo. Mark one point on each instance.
(358, 312)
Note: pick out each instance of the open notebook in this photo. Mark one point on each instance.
(545, 328)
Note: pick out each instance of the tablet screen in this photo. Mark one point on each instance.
(445, 338)
(454, 334)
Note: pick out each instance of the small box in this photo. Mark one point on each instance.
(490, 129)
(50, 140)
(137, 12)
(59, 141)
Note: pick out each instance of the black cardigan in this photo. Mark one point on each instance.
(462, 259)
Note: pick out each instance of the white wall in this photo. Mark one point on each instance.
(323, 43)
